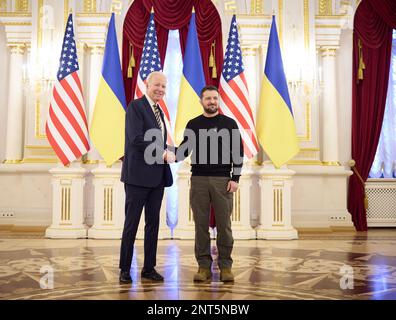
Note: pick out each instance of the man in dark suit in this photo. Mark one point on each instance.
(145, 173)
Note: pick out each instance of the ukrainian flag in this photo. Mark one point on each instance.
(108, 121)
(275, 126)
(193, 80)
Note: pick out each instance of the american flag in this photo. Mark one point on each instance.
(234, 95)
(66, 126)
(151, 62)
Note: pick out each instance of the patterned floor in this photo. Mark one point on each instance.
(322, 266)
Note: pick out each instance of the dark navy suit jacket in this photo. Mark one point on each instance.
(135, 170)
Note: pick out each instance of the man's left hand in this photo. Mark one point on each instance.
(232, 186)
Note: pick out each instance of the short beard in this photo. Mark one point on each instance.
(211, 111)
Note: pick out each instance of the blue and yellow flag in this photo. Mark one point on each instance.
(193, 80)
(275, 126)
(108, 122)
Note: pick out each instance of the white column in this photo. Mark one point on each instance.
(240, 218)
(109, 203)
(275, 215)
(185, 228)
(95, 70)
(14, 139)
(251, 60)
(81, 46)
(251, 70)
(329, 107)
(67, 202)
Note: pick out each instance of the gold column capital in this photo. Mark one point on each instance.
(81, 46)
(16, 47)
(249, 51)
(96, 49)
(328, 51)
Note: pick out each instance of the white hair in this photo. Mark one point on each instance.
(153, 74)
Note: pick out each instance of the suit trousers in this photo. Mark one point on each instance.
(137, 198)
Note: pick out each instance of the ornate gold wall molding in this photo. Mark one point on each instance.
(280, 24)
(325, 7)
(249, 51)
(3, 5)
(15, 14)
(306, 25)
(328, 52)
(256, 7)
(116, 6)
(89, 6)
(21, 5)
(65, 11)
(230, 6)
(16, 48)
(37, 134)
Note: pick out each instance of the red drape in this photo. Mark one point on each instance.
(168, 15)
(373, 24)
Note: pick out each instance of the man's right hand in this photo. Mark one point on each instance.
(169, 156)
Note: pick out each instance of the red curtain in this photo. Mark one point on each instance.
(168, 15)
(373, 24)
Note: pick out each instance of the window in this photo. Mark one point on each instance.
(384, 165)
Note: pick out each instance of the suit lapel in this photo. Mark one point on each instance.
(150, 111)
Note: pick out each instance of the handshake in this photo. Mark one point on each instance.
(169, 156)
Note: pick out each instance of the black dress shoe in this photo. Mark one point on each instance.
(152, 275)
(125, 277)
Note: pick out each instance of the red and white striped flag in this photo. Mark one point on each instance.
(151, 62)
(234, 95)
(66, 127)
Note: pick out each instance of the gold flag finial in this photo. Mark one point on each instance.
(152, 9)
(193, 10)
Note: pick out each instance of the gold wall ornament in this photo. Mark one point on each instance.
(89, 6)
(12, 161)
(116, 6)
(3, 5)
(280, 22)
(230, 6)
(236, 209)
(37, 133)
(40, 160)
(325, 7)
(108, 205)
(65, 205)
(277, 205)
(306, 25)
(331, 163)
(21, 5)
(66, 11)
(256, 7)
